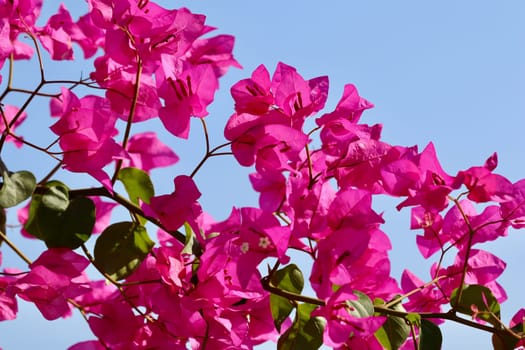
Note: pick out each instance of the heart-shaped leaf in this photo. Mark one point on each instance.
(58, 221)
(120, 249)
(306, 332)
(17, 187)
(289, 278)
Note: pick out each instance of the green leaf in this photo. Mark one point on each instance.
(137, 183)
(58, 221)
(17, 187)
(281, 308)
(306, 333)
(56, 196)
(395, 329)
(191, 245)
(414, 318)
(289, 278)
(362, 307)
(430, 337)
(120, 249)
(480, 298)
(74, 226)
(382, 336)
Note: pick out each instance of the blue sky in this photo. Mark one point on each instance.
(450, 72)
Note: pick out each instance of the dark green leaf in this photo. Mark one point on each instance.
(74, 226)
(137, 183)
(306, 333)
(480, 298)
(121, 248)
(362, 307)
(430, 337)
(289, 278)
(16, 188)
(56, 196)
(281, 308)
(58, 221)
(396, 329)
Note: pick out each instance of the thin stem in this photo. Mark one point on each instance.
(51, 173)
(310, 170)
(209, 152)
(450, 315)
(268, 285)
(102, 191)
(18, 252)
(131, 115)
(467, 252)
(39, 57)
(413, 333)
(414, 291)
(206, 136)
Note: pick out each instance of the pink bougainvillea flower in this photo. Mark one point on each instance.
(8, 302)
(361, 262)
(216, 50)
(55, 276)
(145, 30)
(111, 313)
(487, 226)
(9, 113)
(431, 222)
(341, 323)
(270, 114)
(103, 212)
(55, 36)
(272, 188)
(296, 97)
(434, 185)
(253, 95)
(17, 17)
(518, 318)
(483, 185)
(120, 84)
(22, 216)
(362, 164)
(269, 146)
(483, 268)
(335, 256)
(86, 129)
(428, 299)
(229, 272)
(349, 107)
(513, 209)
(337, 135)
(174, 209)
(353, 208)
(147, 152)
(185, 94)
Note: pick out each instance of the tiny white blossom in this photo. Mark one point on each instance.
(245, 246)
(264, 242)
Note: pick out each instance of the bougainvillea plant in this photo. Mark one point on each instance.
(170, 276)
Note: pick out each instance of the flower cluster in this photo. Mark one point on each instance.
(206, 288)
